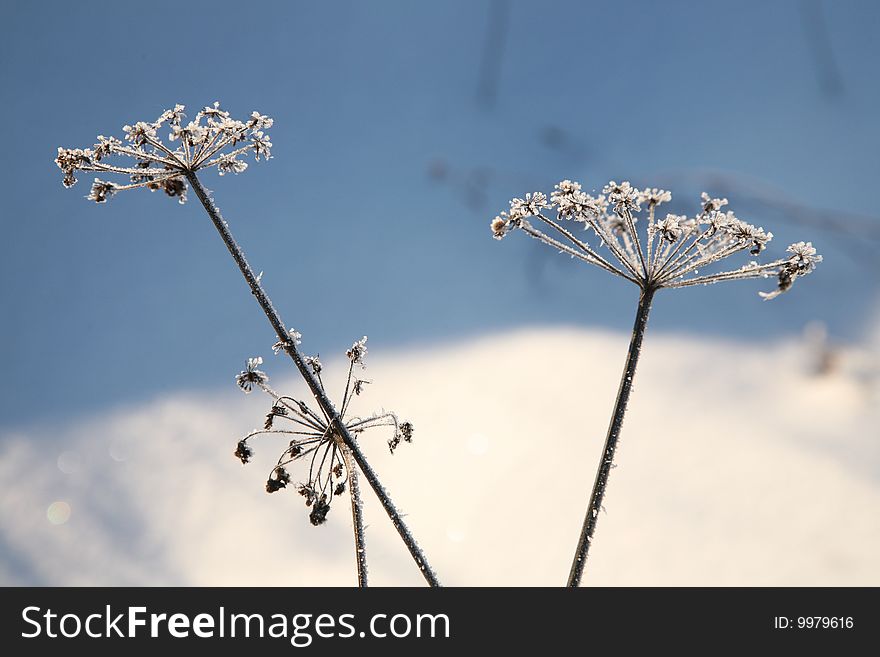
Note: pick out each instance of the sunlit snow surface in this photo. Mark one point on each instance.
(738, 466)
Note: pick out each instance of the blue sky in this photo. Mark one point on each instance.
(399, 134)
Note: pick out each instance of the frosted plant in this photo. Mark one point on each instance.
(671, 253)
(213, 139)
(314, 440)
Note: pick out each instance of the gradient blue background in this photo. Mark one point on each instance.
(401, 129)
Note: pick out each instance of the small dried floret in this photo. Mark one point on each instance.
(712, 204)
(718, 221)
(229, 164)
(170, 116)
(295, 337)
(279, 479)
(319, 511)
(359, 386)
(71, 159)
(670, 227)
(406, 430)
(651, 196)
(140, 132)
(499, 226)
(105, 146)
(101, 191)
(262, 145)
(250, 376)
(243, 451)
(174, 187)
(314, 362)
(804, 256)
(276, 410)
(571, 202)
(259, 121)
(623, 196)
(530, 206)
(308, 492)
(358, 352)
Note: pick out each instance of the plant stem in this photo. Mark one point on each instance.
(626, 381)
(314, 386)
(357, 519)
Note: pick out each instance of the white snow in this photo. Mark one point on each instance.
(737, 466)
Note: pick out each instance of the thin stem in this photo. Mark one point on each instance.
(601, 482)
(357, 519)
(317, 390)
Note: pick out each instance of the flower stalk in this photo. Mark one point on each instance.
(288, 344)
(607, 462)
(214, 139)
(670, 254)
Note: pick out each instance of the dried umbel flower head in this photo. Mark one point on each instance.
(211, 139)
(673, 250)
(312, 438)
(250, 375)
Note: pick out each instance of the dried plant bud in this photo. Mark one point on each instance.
(276, 410)
(318, 516)
(314, 362)
(712, 204)
(243, 452)
(279, 479)
(500, 226)
(308, 492)
(406, 431)
(101, 191)
(358, 352)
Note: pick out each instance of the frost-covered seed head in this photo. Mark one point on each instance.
(210, 139)
(315, 438)
(675, 250)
